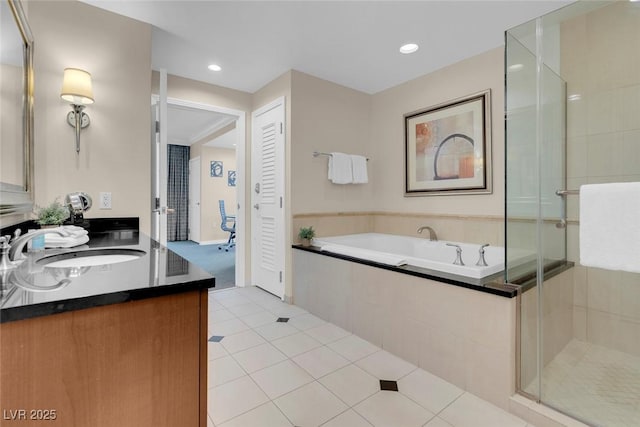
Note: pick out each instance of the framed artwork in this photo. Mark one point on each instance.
(231, 178)
(216, 169)
(448, 148)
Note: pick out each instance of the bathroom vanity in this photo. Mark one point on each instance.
(121, 344)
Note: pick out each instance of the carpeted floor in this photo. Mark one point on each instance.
(219, 263)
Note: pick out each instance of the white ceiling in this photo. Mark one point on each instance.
(352, 43)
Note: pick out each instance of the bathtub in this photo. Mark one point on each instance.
(396, 250)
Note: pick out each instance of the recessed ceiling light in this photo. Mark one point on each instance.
(515, 67)
(408, 48)
(214, 67)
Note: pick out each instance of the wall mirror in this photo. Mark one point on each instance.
(16, 96)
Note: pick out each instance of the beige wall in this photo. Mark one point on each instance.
(115, 149)
(327, 117)
(344, 122)
(214, 189)
(484, 71)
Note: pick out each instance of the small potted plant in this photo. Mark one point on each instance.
(53, 215)
(306, 234)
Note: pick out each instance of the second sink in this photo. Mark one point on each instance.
(88, 258)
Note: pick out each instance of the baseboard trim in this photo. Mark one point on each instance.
(212, 242)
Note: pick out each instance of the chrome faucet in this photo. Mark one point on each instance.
(481, 261)
(458, 260)
(432, 233)
(18, 244)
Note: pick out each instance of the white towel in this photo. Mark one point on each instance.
(73, 236)
(55, 241)
(610, 226)
(359, 165)
(366, 254)
(340, 170)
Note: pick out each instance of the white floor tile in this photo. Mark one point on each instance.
(259, 357)
(389, 408)
(437, 422)
(282, 309)
(351, 384)
(353, 347)
(320, 361)
(241, 341)
(217, 316)
(385, 366)
(215, 350)
(230, 299)
(260, 318)
(471, 411)
(281, 378)
(429, 391)
(275, 330)
(228, 327)
(310, 405)
(306, 321)
(245, 309)
(209, 422)
(267, 415)
(347, 419)
(234, 398)
(223, 370)
(296, 344)
(327, 333)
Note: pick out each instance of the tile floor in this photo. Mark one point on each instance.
(599, 384)
(278, 365)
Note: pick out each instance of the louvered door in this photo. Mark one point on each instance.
(267, 198)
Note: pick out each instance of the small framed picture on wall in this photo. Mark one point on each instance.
(216, 169)
(231, 178)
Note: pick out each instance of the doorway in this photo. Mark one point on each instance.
(195, 124)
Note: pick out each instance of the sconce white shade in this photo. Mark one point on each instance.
(76, 87)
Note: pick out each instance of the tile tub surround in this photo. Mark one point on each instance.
(468, 228)
(464, 336)
(319, 374)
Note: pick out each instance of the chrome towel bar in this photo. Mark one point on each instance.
(564, 194)
(318, 153)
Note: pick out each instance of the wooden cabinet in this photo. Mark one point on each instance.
(137, 364)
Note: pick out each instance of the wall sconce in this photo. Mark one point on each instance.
(76, 89)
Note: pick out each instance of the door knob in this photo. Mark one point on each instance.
(257, 188)
(257, 206)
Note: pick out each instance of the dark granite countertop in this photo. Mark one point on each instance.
(491, 284)
(31, 290)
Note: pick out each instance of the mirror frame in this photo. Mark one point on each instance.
(19, 198)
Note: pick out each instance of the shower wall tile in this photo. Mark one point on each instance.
(577, 157)
(580, 286)
(580, 323)
(630, 295)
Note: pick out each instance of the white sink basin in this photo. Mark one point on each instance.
(89, 258)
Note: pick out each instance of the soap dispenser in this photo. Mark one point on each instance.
(5, 263)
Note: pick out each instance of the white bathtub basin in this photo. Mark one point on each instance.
(418, 252)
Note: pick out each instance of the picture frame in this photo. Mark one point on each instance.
(216, 169)
(231, 178)
(448, 148)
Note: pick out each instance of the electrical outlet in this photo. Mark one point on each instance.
(105, 200)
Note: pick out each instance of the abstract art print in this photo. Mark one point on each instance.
(448, 148)
(231, 178)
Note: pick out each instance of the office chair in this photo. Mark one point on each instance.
(224, 225)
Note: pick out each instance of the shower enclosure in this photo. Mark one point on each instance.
(573, 118)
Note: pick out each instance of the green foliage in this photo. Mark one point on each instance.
(307, 233)
(54, 214)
